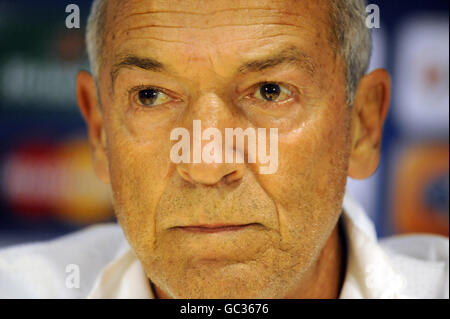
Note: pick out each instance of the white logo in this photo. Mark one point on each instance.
(73, 277)
(73, 19)
(373, 18)
(212, 151)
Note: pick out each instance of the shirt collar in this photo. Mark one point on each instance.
(123, 278)
(370, 273)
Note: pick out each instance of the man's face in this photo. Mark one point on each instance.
(213, 57)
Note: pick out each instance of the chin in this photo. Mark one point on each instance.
(224, 281)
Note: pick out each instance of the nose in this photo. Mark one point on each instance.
(210, 173)
(211, 112)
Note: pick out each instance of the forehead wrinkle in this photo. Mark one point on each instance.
(253, 31)
(158, 39)
(268, 12)
(258, 31)
(214, 12)
(232, 20)
(243, 39)
(227, 25)
(259, 15)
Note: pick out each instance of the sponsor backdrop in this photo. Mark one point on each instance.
(48, 187)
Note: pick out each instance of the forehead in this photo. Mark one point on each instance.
(203, 13)
(194, 30)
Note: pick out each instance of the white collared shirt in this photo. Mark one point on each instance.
(97, 262)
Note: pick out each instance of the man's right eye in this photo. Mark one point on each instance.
(152, 97)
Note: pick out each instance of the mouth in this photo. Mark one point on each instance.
(213, 228)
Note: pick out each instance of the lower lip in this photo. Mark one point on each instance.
(197, 229)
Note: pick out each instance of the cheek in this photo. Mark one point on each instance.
(310, 182)
(139, 172)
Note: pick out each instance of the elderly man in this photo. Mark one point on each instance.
(199, 226)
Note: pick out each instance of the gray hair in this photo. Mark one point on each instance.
(353, 38)
(95, 35)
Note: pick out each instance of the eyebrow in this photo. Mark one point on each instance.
(288, 55)
(128, 61)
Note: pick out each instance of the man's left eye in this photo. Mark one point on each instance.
(152, 97)
(272, 92)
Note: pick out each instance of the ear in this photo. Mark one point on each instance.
(369, 112)
(90, 109)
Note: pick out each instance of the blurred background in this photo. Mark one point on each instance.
(47, 185)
